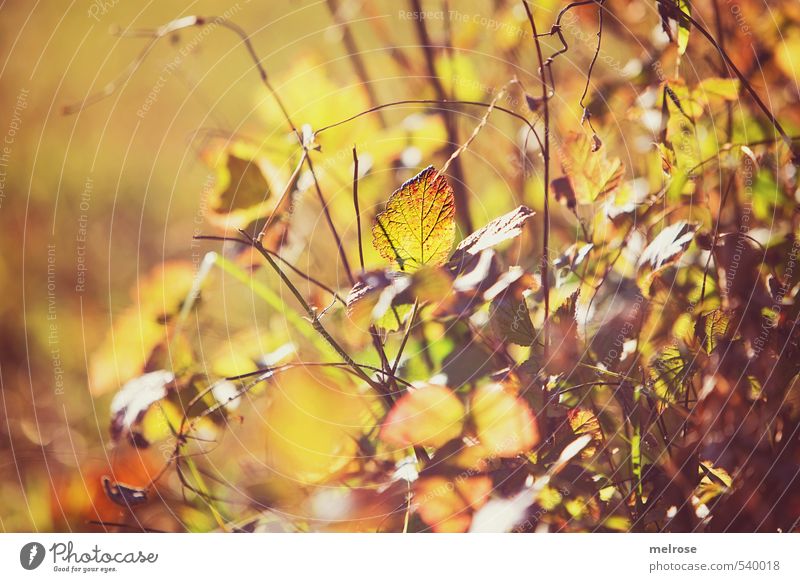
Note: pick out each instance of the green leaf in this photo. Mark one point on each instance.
(418, 226)
(683, 26)
(669, 372)
(710, 328)
(727, 89)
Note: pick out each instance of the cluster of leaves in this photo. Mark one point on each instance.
(657, 393)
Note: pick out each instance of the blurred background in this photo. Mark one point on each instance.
(99, 203)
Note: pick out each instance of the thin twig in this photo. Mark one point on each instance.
(354, 55)
(451, 125)
(724, 54)
(358, 212)
(315, 322)
(586, 115)
(291, 267)
(513, 114)
(546, 156)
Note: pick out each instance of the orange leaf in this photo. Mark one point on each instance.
(447, 505)
(428, 416)
(504, 422)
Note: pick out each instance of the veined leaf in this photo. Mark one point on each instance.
(669, 372)
(418, 226)
(584, 422)
(428, 416)
(590, 174)
(711, 327)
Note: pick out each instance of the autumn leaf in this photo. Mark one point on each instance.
(590, 174)
(667, 246)
(670, 370)
(584, 422)
(511, 321)
(247, 186)
(710, 328)
(504, 422)
(141, 328)
(447, 505)
(418, 226)
(427, 416)
(508, 313)
(727, 89)
(134, 399)
(498, 230)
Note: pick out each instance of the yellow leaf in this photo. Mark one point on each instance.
(504, 422)
(141, 328)
(727, 89)
(590, 174)
(312, 423)
(418, 226)
(427, 416)
(247, 186)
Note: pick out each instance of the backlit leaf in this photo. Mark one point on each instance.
(427, 416)
(134, 399)
(418, 226)
(669, 372)
(504, 422)
(711, 327)
(447, 505)
(584, 422)
(247, 186)
(591, 175)
(683, 25)
(727, 89)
